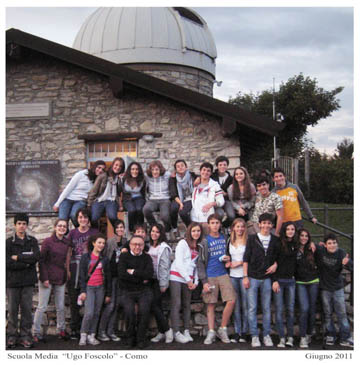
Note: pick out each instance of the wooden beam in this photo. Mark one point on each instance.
(228, 127)
(117, 86)
(116, 136)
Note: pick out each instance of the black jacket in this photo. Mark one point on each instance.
(173, 186)
(258, 261)
(305, 271)
(286, 262)
(84, 273)
(226, 184)
(21, 272)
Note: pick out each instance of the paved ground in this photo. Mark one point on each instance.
(53, 343)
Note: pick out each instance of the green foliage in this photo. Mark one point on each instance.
(300, 101)
(345, 149)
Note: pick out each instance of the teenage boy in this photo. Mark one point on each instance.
(292, 199)
(266, 202)
(259, 263)
(139, 230)
(22, 254)
(222, 176)
(206, 196)
(330, 261)
(79, 237)
(181, 187)
(214, 277)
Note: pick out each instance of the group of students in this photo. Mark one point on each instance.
(104, 274)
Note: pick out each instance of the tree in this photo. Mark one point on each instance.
(345, 149)
(300, 101)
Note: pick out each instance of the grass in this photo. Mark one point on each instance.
(342, 220)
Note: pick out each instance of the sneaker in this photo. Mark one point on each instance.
(74, 335)
(188, 336)
(222, 334)
(255, 341)
(159, 337)
(114, 338)
(282, 342)
(235, 338)
(290, 342)
(308, 339)
(179, 337)
(268, 341)
(347, 343)
(210, 337)
(303, 343)
(38, 338)
(63, 336)
(91, 340)
(169, 336)
(242, 339)
(11, 343)
(330, 340)
(83, 339)
(103, 337)
(26, 344)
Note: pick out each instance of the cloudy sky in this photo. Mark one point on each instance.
(255, 45)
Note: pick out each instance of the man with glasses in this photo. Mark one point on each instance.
(266, 202)
(135, 271)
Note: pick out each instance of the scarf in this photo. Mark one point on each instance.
(183, 183)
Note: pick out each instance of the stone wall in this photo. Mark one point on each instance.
(82, 103)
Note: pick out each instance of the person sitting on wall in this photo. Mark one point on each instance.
(22, 254)
(157, 180)
(76, 192)
(106, 193)
(135, 273)
(181, 187)
(134, 187)
(292, 199)
(266, 202)
(206, 196)
(223, 177)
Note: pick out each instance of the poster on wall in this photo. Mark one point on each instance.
(32, 186)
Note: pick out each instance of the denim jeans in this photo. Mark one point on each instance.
(134, 207)
(19, 298)
(93, 304)
(184, 213)
(335, 301)
(73, 293)
(264, 286)
(287, 290)
(241, 308)
(110, 206)
(307, 297)
(156, 308)
(44, 296)
(109, 314)
(68, 209)
(180, 299)
(162, 205)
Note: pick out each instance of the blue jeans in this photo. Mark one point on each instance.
(68, 209)
(241, 308)
(307, 296)
(134, 208)
(93, 304)
(335, 301)
(162, 205)
(287, 289)
(110, 206)
(252, 294)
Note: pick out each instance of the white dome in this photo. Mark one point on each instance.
(148, 35)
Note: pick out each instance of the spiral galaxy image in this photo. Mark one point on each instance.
(32, 186)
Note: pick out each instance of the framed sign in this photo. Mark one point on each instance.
(32, 186)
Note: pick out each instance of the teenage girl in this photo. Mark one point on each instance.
(307, 287)
(184, 279)
(236, 249)
(284, 283)
(95, 284)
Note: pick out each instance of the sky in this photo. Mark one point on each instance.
(256, 46)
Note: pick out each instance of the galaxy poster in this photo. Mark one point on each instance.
(32, 186)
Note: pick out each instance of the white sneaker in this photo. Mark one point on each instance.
(255, 341)
(114, 338)
(303, 343)
(308, 339)
(103, 337)
(282, 342)
(179, 337)
(222, 334)
(169, 336)
(290, 342)
(91, 340)
(83, 337)
(210, 337)
(268, 341)
(188, 336)
(159, 337)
